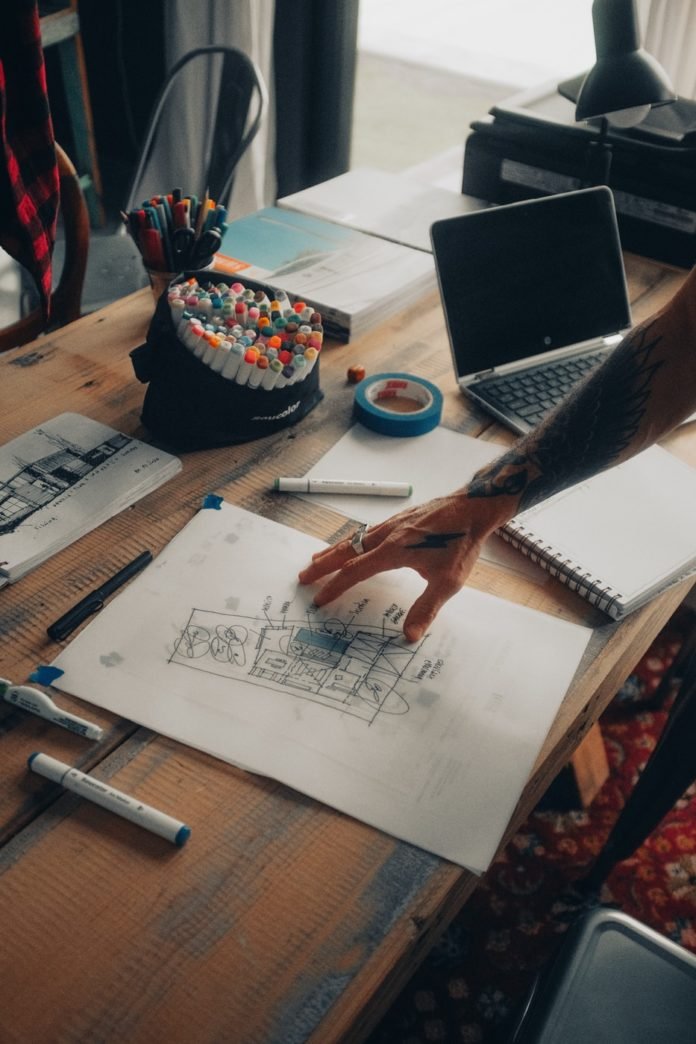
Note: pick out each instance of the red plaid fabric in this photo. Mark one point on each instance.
(29, 185)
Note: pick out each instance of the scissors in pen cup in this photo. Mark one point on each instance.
(183, 245)
(205, 247)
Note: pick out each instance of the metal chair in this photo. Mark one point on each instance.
(204, 119)
(66, 298)
(235, 104)
(612, 980)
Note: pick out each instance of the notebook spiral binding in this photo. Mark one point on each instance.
(564, 569)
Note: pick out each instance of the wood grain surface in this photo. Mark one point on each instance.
(281, 920)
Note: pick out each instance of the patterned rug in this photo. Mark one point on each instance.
(473, 981)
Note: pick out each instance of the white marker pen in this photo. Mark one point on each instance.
(270, 378)
(311, 355)
(221, 356)
(39, 703)
(108, 797)
(246, 366)
(233, 361)
(367, 487)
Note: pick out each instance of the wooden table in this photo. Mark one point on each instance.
(281, 920)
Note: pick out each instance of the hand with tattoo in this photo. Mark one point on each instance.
(440, 540)
(645, 387)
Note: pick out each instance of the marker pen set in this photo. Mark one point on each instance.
(244, 335)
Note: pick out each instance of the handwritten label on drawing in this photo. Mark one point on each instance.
(46, 522)
(430, 669)
(145, 465)
(394, 613)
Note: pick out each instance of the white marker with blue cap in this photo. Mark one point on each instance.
(108, 797)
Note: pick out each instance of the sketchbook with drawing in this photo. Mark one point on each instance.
(64, 478)
(619, 538)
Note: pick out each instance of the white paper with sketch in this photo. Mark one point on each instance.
(216, 645)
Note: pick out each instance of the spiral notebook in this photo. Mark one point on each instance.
(621, 537)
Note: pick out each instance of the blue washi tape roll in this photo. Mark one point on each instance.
(398, 404)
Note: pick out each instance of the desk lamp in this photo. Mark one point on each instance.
(623, 85)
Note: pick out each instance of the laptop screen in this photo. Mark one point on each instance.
(526, 278)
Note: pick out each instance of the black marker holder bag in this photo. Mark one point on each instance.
(188, 406)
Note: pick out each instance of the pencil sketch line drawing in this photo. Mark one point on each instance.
(358, 670)
(37, 483)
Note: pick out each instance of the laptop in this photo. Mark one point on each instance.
(535, 297)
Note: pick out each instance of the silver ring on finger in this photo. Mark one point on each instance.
(356, 541)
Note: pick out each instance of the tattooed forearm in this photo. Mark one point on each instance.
(585, 435)
(507, 476)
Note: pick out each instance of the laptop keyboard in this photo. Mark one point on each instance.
(533, 393)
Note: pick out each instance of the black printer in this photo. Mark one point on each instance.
(530, 145)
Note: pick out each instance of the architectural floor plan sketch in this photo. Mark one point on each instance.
(358, 670)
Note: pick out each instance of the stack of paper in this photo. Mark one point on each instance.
(354, 280)
(64, 478)
(393, 206)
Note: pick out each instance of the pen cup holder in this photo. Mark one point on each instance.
(189, 406)
(159, 281)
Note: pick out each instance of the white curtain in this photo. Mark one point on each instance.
(669, 34)
(248, 25)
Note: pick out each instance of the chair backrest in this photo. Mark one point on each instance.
(66, 298)
(206, 115)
